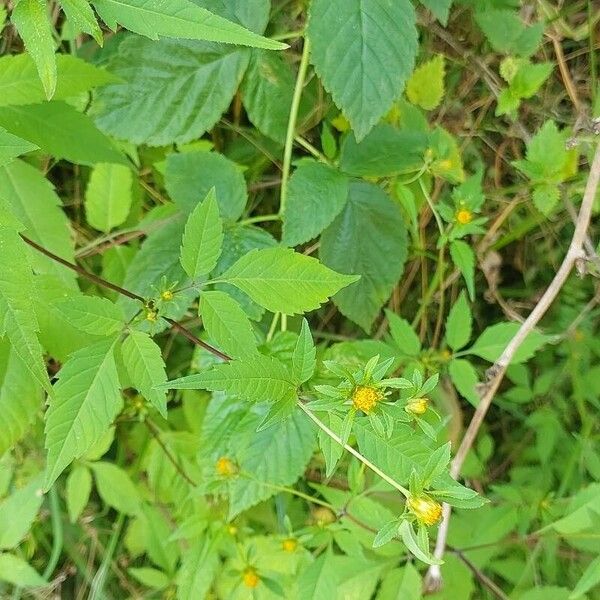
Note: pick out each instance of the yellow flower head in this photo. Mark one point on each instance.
(464, 216)
(289, 545)
(151, 315)
(225, 467)
(167, 295)
(427, 511)
(417, 406)
(365, 398)
(232, 529)
(250, 578)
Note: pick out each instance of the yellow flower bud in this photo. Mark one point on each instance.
(250, 578)
(417, 406)
(232, 529)
(365, 398)
(151, 315)
(289, 545)
(464, 216)
(323, 516)
(226, 467)
(427, 511)
(167, 295)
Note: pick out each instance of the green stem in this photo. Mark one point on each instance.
(96, 591)
(291, 129)
(259, 219)
(293, 492)
(57, 533)
(352, 451)
(432, 207)
(308, 146)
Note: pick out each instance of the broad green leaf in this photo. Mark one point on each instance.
(92, 314)
(177, 19)
(116, 488)
(494, 339)
(58, 129)
(15, 570)
(197, 571)
(441, 10)
(318, 580)
(160, 549)
(190, 176)
(12, 146)
(108, 196)
(401, 584)
(332, 451)
(20, 397)
(282, 280)
(256, 378)
(506, 32)
(32, 21)
(34, 202)
(459, 323)
(589, 580)
(582, 512)
(87, 399)
(202, 238)
(17, 317)
(425, 88)
(316, 195)
(409, 537)
(146, 108)
(20, 83)
(463, 258)
(227, 324)
(152, 578)
(368, 238)
(355, 44)
(18, 511)
(304, 359)
(386, 534)
(146, 368)
(403, 334)
(79, 486)
(81, 14)
(465, 378)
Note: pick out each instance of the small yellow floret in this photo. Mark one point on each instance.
(167, 295)
(464, 216)
(289, 545)
(225, 467)
(444, 165)
(365, 398)
(417, 406)
(250, 578)
(151, 315)
(427, 511)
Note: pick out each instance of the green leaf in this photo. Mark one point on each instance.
(81, 15)
(61, 131)
(16, 571)
(463, 258)
(32, 21)
(17, 316)
(304, 360)
(332, 451)
(177, 19)
(144, 109)
(409, 537)
(34, 202)
(79, 487)
(354, 44)
(465, 378)
(403, 334)
(506, 32)
(98, 316)
(20, 83)
(227, 324)
(202, 238)
(116, 488)
(190, 176)
(401, 584)
(198, 570)
(12, 146)
(425, 88)
(545, 198)
(152, 578)
(589, 580)
(108, 196)
(282, 280)
(86, 401)
(494, 339)
(316, 195)
(368, 238)
(146, 368)
(20, 397)
(319, 580)
(440, 9)
(459, 323)
(18, 511)
(255, 378)
(386, 534)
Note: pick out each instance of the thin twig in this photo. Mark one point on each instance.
(496, 373)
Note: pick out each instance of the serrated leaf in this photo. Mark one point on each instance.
(197, 570)
(459, 323)
(403, 334)
(368, 238)
(202, 238)
(425, 88)
(440, 8)
(12, 146)
(32, 21)
(116, 488)
(465, 378)
(98, 316)
(304, 356)
(285, 281)
(386, 534)
(78, 489)
(355, 44)
(17, 315)
(227, 324)
(178, 19)
(86, 401)
(82, 16)
(15, 570)
(143, 109)
(316, 195)
(463, 258)
(146, 368)
(332, 451)
(152, 578)
(407, 533)
(108, 196)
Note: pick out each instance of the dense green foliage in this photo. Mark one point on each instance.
(256, 257)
